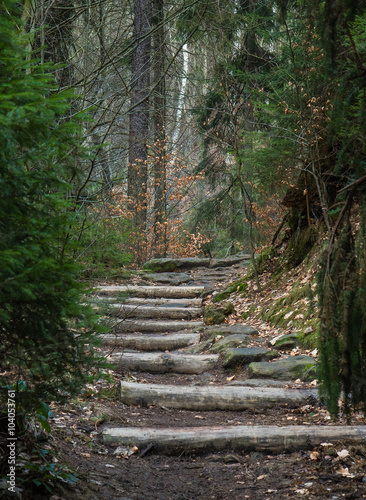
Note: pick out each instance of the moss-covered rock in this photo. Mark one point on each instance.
(170, 278)
(236, 340)
(166, 264)
(225, 330)
(214, 315)
(160, 265)
(296, 367)
(285, 342)
(246, 355)
(236, 287)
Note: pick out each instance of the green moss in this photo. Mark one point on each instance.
(298, 302)
(160, 266)
(214, 315)
(239, 286)
(262, 261)
(299, 246)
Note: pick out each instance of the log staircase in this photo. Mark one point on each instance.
(157, 334)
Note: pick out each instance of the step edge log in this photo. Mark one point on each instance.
(246, 438)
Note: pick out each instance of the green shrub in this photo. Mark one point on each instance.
(46, 339)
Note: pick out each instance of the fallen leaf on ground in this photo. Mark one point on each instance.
(343, 453)
(125, 451)
(343, 471)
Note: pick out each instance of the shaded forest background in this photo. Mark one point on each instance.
(133, 130)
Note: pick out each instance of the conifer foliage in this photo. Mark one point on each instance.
(342, 277)
(43, 327)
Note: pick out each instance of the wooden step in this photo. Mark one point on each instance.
(188, 302)
(271, 439)
(148, 342)
(153, 326)
(158, 312)
(146, 301)
(152, 362)
(202, 398)
(153, 291)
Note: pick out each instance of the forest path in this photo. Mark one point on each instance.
(217, 434)
(188, 379)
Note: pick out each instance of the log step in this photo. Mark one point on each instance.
(202, 398)
(146, 301)
(187, 302)
(153, 291)
(152, 362)
(153, 326)
(162, 312)
(148, 342)
(271, 439)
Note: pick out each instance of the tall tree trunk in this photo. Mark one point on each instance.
(52, 26)
(159, 124)
(139, 119)
(181, 98)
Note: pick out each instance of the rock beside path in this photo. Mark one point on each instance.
(229, 330)
(285, 342)
(168, 265)
(292, 368)
(169, 278)
(231, 341)
(214, 315)
(246, 355)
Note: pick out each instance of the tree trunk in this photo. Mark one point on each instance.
(159, 124)
(52, 27)
(139, 121)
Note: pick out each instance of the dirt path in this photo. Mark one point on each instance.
(193, 415)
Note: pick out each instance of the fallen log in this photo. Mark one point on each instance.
(202, 398)
(148, 342)
(135, 325)
(271, 439)
(163, 362)
(153, 291)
